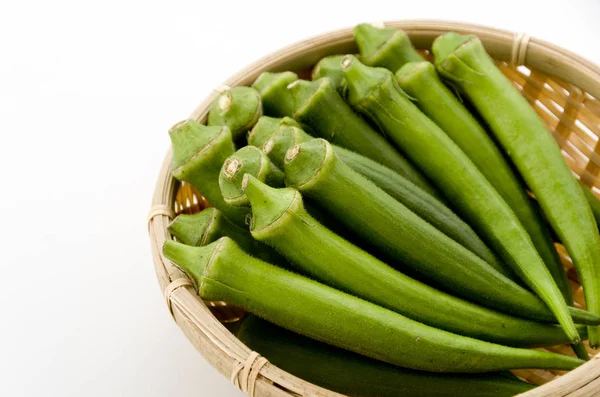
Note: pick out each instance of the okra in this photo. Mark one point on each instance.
(331, 316)
(265, 127)
(238, 108)
(280, 221)
(331, 68)
(248, 160)
(421, 82)
(209, 225)
(384, 47)
(593, 202)
(375, 93)
(389, 226)
(412, 196)
(319, 106)
(523, 135)
(349, 373)
(198, 154)
(276, 99)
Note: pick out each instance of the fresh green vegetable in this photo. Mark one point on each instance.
(209, 225)
(388, 225)
(593, 202)
(421, 82)
(281, 221)
(237, 108)
(276, 99)
(412, 196)
(319, 106)
(523, 135)
(384, 47)
(349, 373)
(331, 68)
(198, 154)
(375, 93)
(223, 272)
(248, 160)
(266, 126)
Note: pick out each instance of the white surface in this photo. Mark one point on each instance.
(87, 93)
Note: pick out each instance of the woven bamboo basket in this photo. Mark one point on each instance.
(561, 86)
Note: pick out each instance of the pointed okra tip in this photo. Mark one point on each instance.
(305, 161)
(248, 159)
(238, 108)
(268, 204)
(188, 138)
(191, 229)
(362, 80)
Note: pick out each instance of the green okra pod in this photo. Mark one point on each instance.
(389, 226)
(421, 82)
(375, 93)
(331, 316)
(592, 201)
(523, 135)
(209, 225)
(280, 221)
(384, 47)
(412, 196)
(247, 160)
(238, 108)
(276, 99)
(319, 106)
(349, 373)
(331, 68)
(266, 126)
(198, 154)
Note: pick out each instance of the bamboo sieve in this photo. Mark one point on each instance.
(561, 86)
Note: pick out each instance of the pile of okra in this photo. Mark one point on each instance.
(391, 224)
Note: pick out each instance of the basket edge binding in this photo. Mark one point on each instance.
(209, 336)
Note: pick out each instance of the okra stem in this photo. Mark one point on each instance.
(280, 220)
(238, 108)
(276, 99)
(384, 47)
(209, 225)
(323, 313)
(266, 126)
(198, 154)
(319, 106)
(330, 67)
(523, 135)
(375, 92)
(248, 160)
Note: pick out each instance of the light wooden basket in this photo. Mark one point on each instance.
(560, 85)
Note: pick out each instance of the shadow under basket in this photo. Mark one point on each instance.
(561, 86)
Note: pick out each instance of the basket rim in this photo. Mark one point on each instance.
(221, 348)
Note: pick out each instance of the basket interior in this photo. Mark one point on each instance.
(572, 117)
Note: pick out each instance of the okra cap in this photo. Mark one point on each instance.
(191, 140)
(193, 229)
(238, 108)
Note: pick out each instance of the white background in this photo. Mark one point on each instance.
(87, 93)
